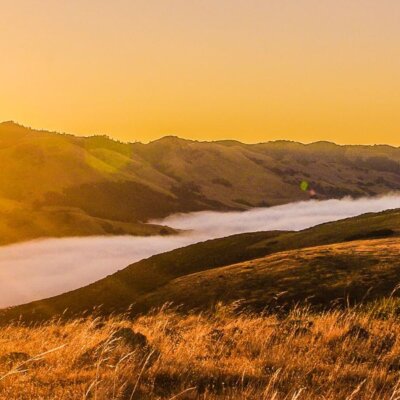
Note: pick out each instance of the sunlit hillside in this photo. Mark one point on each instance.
(22, 222)
(50, 182)
(349, 355)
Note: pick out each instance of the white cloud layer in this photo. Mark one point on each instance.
(292, 216)
(43, 268)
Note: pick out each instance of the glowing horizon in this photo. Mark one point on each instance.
(200, 140)
(252, 71)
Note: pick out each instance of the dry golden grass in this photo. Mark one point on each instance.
(352, 354)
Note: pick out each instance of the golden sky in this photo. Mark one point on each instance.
(252, 70)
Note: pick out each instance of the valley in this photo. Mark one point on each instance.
(42, 268)
(321, 268)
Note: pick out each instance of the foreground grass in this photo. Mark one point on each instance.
(349, 354)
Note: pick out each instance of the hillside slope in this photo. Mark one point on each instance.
(134, 182)
(24, 223)
(342, 273)
(148, 282)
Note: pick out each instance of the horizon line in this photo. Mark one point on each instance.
(176, 136)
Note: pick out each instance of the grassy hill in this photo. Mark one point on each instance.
(202, 274)
(345, 272)
(134, 182)
(26, 223)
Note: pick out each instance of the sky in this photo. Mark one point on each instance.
(251, 70)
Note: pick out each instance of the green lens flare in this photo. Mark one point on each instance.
(304, 185)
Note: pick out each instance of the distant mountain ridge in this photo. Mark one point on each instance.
(45, 172)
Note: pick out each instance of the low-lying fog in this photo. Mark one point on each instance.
(44, 268)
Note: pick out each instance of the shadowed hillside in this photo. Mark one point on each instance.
(323, 275)
(134, 182)
(191, 275)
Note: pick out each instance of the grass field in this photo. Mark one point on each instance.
(351, 354)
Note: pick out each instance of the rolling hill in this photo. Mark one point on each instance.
(345, 272)
(21, 223)
(323, 263)
(112, 187)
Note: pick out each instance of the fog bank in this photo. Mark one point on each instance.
(292, 216)
(44, 268)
